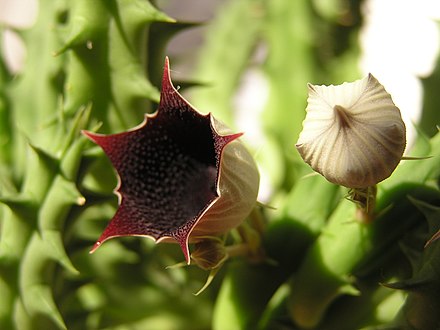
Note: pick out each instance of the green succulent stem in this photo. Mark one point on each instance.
(365, 200)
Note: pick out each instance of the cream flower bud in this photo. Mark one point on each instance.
(353, 134)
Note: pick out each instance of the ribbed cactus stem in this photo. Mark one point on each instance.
(421, 308)
(85, 68)
(36, 279)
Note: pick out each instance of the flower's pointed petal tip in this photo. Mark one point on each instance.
(186, 254)
(231, 137)
(168, 88)
(95, 137)
(95, 247)
(223, 140)
(183, 242)
(236, 135)
(166, 73)
(167, 63)
(87, 133)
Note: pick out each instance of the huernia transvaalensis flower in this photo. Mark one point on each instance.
(353, 134)
(182, 175)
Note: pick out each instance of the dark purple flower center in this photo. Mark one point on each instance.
(168, 169)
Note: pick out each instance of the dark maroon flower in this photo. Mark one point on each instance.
(182, 175)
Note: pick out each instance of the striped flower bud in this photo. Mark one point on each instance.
(353, 134)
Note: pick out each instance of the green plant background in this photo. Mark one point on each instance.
(97, 65)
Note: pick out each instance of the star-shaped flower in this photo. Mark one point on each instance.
(182, 175)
